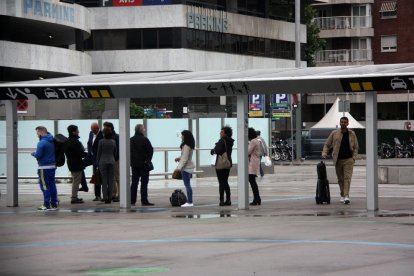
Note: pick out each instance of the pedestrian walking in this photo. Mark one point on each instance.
(254, 150)
(224, 145)
(141, 164)
(106, 161)
(75, 152)
(186, 164)
(45, 156)
(345, 147)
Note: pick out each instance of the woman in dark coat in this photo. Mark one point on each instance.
(106, 163)
(224, 144)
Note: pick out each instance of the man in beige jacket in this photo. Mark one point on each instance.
(345, 150)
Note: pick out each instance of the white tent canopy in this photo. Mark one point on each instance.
(332, 118)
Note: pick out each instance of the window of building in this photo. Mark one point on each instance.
(361, 16)
(388, 9)
(166, 38)
(389, 43)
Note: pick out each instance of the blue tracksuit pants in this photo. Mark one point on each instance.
(48, 186)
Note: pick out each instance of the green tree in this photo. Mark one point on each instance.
(136, 111)
(92, 108)
(314, 42)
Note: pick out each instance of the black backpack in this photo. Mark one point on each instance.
(59, 142)
(178, 198)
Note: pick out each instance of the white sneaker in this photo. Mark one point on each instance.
(342, 199)
(187, 205)
(346, 200)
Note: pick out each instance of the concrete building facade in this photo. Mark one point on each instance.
(51, 38)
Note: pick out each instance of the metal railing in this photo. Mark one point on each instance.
(343, 22)
(343, 55)
(166, 161)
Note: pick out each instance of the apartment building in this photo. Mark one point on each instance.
(366, 32)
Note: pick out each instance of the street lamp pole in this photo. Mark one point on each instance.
(298, 109)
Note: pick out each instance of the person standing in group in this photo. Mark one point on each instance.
(345, 147)
(186, 164)
(263, 152)
(106, 162)
(141, 156)
(74, 152)
(95, 135)
(254, 150)
(45, 156)
(115, 136)
(224, 144)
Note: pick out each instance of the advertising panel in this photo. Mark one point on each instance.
(126, 2)
(256, 106)
(280, 106)
(157, 2)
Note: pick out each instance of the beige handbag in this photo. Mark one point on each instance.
(223, 161)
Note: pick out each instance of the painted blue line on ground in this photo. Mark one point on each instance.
(206, 240)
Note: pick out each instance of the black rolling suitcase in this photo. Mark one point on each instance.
(323, 194)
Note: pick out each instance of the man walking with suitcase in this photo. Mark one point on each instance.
(344, 143)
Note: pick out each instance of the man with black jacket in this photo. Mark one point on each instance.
(141, 156)
(95, 135)
(74, 152)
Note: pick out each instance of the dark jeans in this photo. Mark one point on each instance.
(86, 162)
(107, 177)
(223, 179)
(261, 169)
(98, 184)
(143, 174)
(255, 188)
(187, 184)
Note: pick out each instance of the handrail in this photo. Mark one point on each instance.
(166, 173)
(343, 22)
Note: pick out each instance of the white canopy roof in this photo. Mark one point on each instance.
(332, 118)
(365, 78)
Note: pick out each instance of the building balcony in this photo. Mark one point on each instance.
(345, 26)
(343, 57)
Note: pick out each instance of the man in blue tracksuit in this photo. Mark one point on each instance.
(45, 155)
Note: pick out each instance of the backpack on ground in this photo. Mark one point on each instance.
(178, 198)
(59, 142)
(323, 194)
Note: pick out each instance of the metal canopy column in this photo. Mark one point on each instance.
(242, 158)
(298, 110)
(12, 161)
(124, 152)
(371, 150)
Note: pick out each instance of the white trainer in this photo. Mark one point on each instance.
(187, 205)
(342, 199)
(346, 200)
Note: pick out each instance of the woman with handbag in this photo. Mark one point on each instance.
(254, 150)
(224, 146)
(186, 164)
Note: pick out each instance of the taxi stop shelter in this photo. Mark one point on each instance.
(369, 79)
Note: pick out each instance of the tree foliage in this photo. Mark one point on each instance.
(136, 111)
(314, 42)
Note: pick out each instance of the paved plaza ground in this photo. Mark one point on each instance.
(287, 235)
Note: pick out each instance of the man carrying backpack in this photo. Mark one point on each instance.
(45, 155)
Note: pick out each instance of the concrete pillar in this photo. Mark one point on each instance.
(242, 158)
(371, 150)
(124, 154)
(11, 151)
